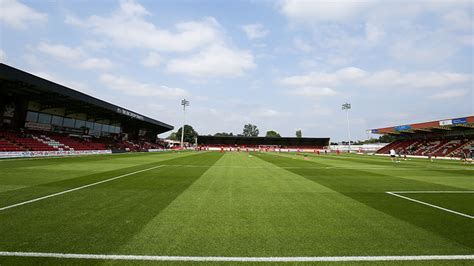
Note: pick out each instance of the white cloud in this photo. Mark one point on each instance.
(76, 56)
(302, 45)
(3, 56)
(61, 51)
(96, 63)
(413, 35)
(75, 21)
(214, 61)
(135, 88)
(32, 60)
(160, 108)
(203, 41)
(316, 79)
(351, 73)
(93, 44)
(75, 85)
(128, 27)
(353, 76)
(18, 15)
(327, 10)
(152, 60)
(307, 64)
(316, 11)
(458, 20)
(373, 32)
(267, 113)
(313, 92)
(445, 95)
(206, 111)
(466, 40)
(130, 8)
(415, 32)
(424, 48)
(255, 31)
(318, 110)
(418, 79)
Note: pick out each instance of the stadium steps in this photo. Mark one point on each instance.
(447, 147)
(396, 145)
(428, 147)
(78, 145)
(52, 143)
(29, 141)
(435, 146)
(469, 143)
(32, 144)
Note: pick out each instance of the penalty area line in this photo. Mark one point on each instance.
(76, 189)
(235, 259)
(396, 194)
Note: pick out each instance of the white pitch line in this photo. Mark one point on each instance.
(75, 189)
(311, 167)
(431, 205)
(435, 192)
(235, 259)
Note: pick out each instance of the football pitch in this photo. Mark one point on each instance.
(246, 208)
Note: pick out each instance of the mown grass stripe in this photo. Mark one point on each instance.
(102, 218)
(370, 188)
(56, 175)
(75, 189)
(430, 205)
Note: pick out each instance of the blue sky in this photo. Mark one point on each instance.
(282, 65)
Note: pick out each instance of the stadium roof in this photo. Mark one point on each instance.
(238, 140)
(432, 126)
(17, 82)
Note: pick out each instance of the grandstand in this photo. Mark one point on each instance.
(40, 117)
(266, 143)
(440, 138)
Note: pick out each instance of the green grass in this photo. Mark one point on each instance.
(234, 204)
(463, 203)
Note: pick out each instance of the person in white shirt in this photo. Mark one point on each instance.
(392, 154)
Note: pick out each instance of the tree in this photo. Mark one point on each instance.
(386, 138)
(172, 136)
(370, 141)
(272, 134)
(250, 131)
(190, 134)
(298, 133)
(381, 139)
(223, 134)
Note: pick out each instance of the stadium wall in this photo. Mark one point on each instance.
(29, 154)
(365, 148)
(244, 149)
(427, 157)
